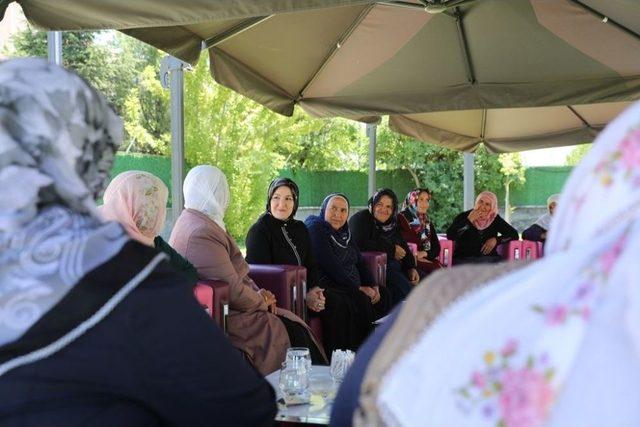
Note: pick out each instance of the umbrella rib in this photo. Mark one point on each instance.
(483, 127)
(405, 4)
(335, 49)
(234, 31)
(582, 119)
(463, 46)
(606, 19)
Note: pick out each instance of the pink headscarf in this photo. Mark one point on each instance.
(488, 196)
(138, 201)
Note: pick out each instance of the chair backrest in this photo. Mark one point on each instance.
(213, 295)
(531, 250)
(446, 252)
(287, 282)
(511, 250)
(377, 264)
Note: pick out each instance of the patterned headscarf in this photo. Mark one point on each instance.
(419, 222)
(279, 182)
(206, 190)
(58, 138)
(389, 225)
(487, 196)
(556, 343)
(138, 201)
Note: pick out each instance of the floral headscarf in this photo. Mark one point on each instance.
(556, 343)
(138, 201)
(487, 196)
(58, 138)
(419, 222)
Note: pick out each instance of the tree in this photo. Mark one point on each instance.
(576, 155)
(513, 173)
(441, 170)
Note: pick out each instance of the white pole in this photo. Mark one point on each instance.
(54, 47)
(372, 134)
(172, 76)
(468, 190)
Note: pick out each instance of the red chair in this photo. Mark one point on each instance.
(287, 282)
(377, 265)
(446, 252)
(531, 250)
(213, 295)
(511, 250)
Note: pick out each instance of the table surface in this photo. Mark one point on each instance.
(318, 410)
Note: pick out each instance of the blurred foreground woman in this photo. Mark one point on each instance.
(96, 329)
(554, 343)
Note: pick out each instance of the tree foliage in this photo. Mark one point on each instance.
(577, 154)
(441, 170)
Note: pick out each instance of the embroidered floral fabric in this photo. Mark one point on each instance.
(553, 344)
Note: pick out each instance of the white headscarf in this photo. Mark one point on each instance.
(545, 220)
(553, 344)
(58, 138)
(206, 190)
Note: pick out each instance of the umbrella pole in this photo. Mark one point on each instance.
(372, 134)
(468, 183)
(54, 47)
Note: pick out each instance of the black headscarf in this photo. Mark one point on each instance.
(279, 182)
(389, 225)
(341, 236)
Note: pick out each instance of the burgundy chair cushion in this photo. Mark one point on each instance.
(511, 250)
(531, 249)
(377, 264)
(286, 282)
(446, 252)
(214, 296)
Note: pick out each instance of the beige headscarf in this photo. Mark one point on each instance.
(138, 201)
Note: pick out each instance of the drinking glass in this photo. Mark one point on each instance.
(341, 361)
(299, 356)
(294, 384)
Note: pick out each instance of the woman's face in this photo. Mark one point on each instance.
(282, 203)
(337, 212)
(484, 205)
(383, 209)
(552, 207)
(422, 205)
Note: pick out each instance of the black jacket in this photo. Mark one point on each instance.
(156, 360)
(273, 241)
(469, 239)
(370, 238)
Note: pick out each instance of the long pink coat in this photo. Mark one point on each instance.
(214, 253)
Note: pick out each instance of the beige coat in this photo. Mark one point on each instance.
(214, 253)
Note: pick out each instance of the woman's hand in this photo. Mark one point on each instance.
(377, 295)
(370, 292)
(474, 215)
(400, 253)
(413, 275)
(269, 299)
(422, 256)
(316, 299)
(489, 245)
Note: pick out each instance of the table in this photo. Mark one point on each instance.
(318, 411)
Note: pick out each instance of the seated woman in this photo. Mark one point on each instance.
(138, 201)
(256, 325)
(353, 303)
(553, 343)
(96, 328)
(478, 232)
(376, 229)
(416, 228)
(278, 238)
(538, 231)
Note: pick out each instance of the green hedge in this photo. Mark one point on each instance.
(541, 182)
(158, 165)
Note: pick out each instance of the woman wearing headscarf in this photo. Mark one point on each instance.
(94, 330)
(538, 230)
(417, 228)
(478, 232)
(353, 303)
(138, 201)
(256, 326)
(376, 229)
(554, 343)
(278, 238)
